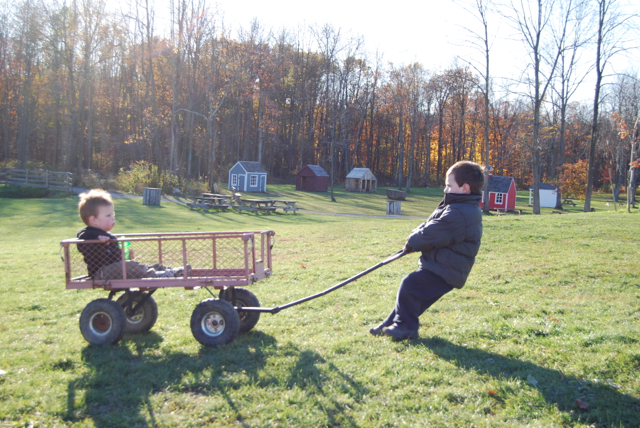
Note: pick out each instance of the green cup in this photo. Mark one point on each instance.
(125, 246)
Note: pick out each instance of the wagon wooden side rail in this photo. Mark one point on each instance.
(216, 259)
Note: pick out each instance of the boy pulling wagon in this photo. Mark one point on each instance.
(449, 241)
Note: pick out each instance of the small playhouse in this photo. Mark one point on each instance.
(312, 178)
(549, 196)
(361, 180)
(502, 193)
(247, 177)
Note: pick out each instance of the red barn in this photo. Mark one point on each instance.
(312, 178)
(502, 193)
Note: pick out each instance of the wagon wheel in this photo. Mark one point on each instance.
(244, 297)
(145, 316)
(102, 322)
(214, 322)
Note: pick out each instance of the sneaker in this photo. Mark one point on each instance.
(167, 273)
(180, 271)
(377, 330)
(400, 332)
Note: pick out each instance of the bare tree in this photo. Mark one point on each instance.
(4, 65)
(544, 39)
(29, 24)
(612, 31)
(569, 77)
(330, 44)
(481, 42)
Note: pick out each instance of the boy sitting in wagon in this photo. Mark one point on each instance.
(104, 259)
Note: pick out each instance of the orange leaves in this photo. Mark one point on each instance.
(623, 130)
(573, 179)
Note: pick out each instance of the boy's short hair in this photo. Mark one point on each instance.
(90, 203)
(470, 173)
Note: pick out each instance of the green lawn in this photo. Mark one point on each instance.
(550, 314)
(420, 201)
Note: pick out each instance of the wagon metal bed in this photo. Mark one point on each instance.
(224, 261)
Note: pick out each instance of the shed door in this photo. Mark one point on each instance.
(263, 183)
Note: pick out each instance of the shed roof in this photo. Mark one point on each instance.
(252, 166)
(545, 186)
(318, 170)
(358, 172)
(499, 184)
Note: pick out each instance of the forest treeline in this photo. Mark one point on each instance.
(87, 88)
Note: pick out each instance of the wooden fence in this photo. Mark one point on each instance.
(37, 178)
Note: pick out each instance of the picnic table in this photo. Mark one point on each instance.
(285, 205)
(568, 202)
(227, 199)
(255, 205)
(266, 205)
(209, 201)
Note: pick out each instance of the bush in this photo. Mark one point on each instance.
(144, 174)
(93, 180)
(193, 188)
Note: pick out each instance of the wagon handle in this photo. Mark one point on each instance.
(277, 309)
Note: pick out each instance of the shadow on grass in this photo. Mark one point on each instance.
(608, 406)
(122, 380)
(125, 384)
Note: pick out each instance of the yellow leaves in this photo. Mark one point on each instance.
(573, 179)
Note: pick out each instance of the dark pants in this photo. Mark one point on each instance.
(418, 291)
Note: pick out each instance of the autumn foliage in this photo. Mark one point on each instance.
(82, 88)
(573, 179)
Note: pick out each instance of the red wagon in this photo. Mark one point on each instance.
(224, 261)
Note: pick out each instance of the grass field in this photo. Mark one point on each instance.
(419, 201)
(550, 314)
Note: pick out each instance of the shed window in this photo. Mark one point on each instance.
(499, 198)
(254, 180)
(234, 179)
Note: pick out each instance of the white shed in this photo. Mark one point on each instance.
(549, 196)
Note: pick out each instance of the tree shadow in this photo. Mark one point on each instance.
(122, 384)
(311, 373)
(607, 405)
(122, 379)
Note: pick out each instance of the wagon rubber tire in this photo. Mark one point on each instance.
(244, 297)
(215, 322)
(102, 322)
(145, 316)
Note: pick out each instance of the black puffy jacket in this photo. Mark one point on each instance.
(450, 239)
(98, 255)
